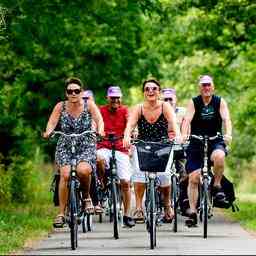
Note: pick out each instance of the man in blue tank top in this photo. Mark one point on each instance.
(206, 115)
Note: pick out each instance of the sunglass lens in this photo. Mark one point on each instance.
(147, 89)
(77, 91)
(70, 91)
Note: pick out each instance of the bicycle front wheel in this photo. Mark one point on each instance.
(73, 214)
(152, 215)
(205, 206)
(174, 202)
(115, 210)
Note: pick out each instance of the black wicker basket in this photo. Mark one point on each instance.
(152, 156)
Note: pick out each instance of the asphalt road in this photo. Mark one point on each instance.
(224, 237)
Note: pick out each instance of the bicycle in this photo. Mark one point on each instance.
(205, 196)
(75, 204)
(153, 158)
(174, 174)
(112, 192)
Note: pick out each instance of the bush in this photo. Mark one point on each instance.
(4, 183)
(20, 171)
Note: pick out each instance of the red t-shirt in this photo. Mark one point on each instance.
(114, 122)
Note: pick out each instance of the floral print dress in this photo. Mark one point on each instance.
(85, 145)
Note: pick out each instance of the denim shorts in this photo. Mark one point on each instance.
(195, 154)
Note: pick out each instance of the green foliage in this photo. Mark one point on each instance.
(121, 42)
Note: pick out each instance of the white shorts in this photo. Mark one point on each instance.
(122, 162)
(139, 176)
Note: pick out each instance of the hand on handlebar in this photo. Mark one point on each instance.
(126, 141)
(102, 133)
(184, 139)
(227, 139)
(178, 140)
(46, 135)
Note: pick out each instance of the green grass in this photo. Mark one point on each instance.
(246, 216)
(22, 223)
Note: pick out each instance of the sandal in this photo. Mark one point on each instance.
(98, 209)
(168, 214)
(138, 216)
(88, 206)
(59, 221)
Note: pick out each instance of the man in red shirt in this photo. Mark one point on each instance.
(115, 118)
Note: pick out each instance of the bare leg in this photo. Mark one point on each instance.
(168, 211)
(84, 172)
(139, 189)
(218, 158)
(63, 188)
(194, 179)
(126, 193)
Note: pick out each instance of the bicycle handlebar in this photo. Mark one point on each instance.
(167, 141)
(110, 137)
(72, 134)
(201, 138)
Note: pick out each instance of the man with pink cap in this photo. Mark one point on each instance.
(169, 95)
(88, 94)
(206, 114)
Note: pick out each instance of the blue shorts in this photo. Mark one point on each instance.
(195, 154)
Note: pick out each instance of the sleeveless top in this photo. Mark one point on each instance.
(152, 131)
(207, 119)
(85, 146)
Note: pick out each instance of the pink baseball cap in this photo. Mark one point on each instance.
(114, 91)
(205, 79)
(87, 94)
(168, 93)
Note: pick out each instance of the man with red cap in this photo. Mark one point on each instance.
(115, 119)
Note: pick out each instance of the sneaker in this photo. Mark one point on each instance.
(192, 220)
(128, 221)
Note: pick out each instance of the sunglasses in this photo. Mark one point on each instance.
(206, 85)
(168, 99)
(153, 88)
(70, 91)
(114, 98)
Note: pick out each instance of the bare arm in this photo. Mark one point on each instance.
(224, 113)
(171, 118)
(96, 116)
(131, 124)
(53, 120)
(185, 128)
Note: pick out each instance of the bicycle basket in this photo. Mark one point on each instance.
(153, 157)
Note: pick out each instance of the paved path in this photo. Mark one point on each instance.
(225, 237)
